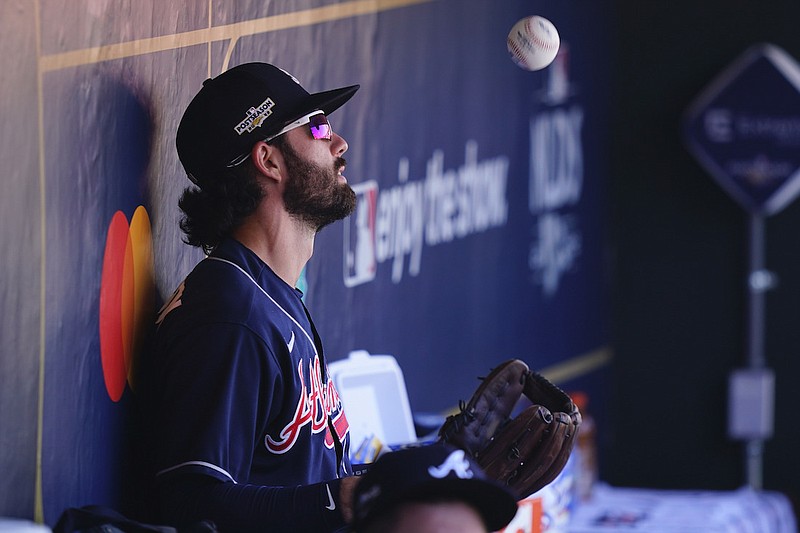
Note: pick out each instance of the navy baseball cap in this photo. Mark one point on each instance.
(430, 473)
(240, 107)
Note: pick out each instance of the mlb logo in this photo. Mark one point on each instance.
(360, 264)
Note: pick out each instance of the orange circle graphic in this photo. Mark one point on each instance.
(143, 292)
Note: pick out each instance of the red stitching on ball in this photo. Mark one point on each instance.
(540, 42)
(517, 52)
(534, 37)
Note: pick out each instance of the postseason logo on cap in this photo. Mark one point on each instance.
(255, 117)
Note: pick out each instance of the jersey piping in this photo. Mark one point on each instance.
(198, 463)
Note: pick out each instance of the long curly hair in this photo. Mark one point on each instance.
(213, 211)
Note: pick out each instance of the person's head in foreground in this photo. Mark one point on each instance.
(430, 489)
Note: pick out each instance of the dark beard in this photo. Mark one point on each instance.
(314, 194)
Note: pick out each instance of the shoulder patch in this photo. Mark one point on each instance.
(173, 303)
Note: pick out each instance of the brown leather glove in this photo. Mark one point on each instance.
(526, 452)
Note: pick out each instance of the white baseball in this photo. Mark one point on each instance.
(533, 42)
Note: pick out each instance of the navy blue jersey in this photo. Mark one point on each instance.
(242, 390)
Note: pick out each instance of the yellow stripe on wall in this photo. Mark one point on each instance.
(296, 19)
(578, 366)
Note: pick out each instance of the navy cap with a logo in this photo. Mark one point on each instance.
(240, 107)
(430, 473)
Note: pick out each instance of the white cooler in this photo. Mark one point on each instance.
(373, 392)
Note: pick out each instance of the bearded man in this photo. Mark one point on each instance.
(246, 428)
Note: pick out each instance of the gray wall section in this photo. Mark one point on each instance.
(20, 240)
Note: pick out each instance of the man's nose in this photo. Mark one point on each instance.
(338, 145)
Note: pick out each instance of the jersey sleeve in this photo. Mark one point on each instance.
(313, 508)
(216, 384)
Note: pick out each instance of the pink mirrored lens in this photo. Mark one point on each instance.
(320, 127)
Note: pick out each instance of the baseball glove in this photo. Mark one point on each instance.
(526, 452)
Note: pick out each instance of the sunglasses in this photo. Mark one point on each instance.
(317, 123)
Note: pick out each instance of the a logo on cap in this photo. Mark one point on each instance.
(456, 463)
(255, 117)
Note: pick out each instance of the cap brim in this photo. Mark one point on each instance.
(326, 101)
(330, 101)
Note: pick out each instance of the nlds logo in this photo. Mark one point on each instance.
(555, 183)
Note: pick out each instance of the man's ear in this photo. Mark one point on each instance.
(266, 158)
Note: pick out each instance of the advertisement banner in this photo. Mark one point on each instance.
(479, 233)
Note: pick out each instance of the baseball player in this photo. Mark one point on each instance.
(247, 429)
